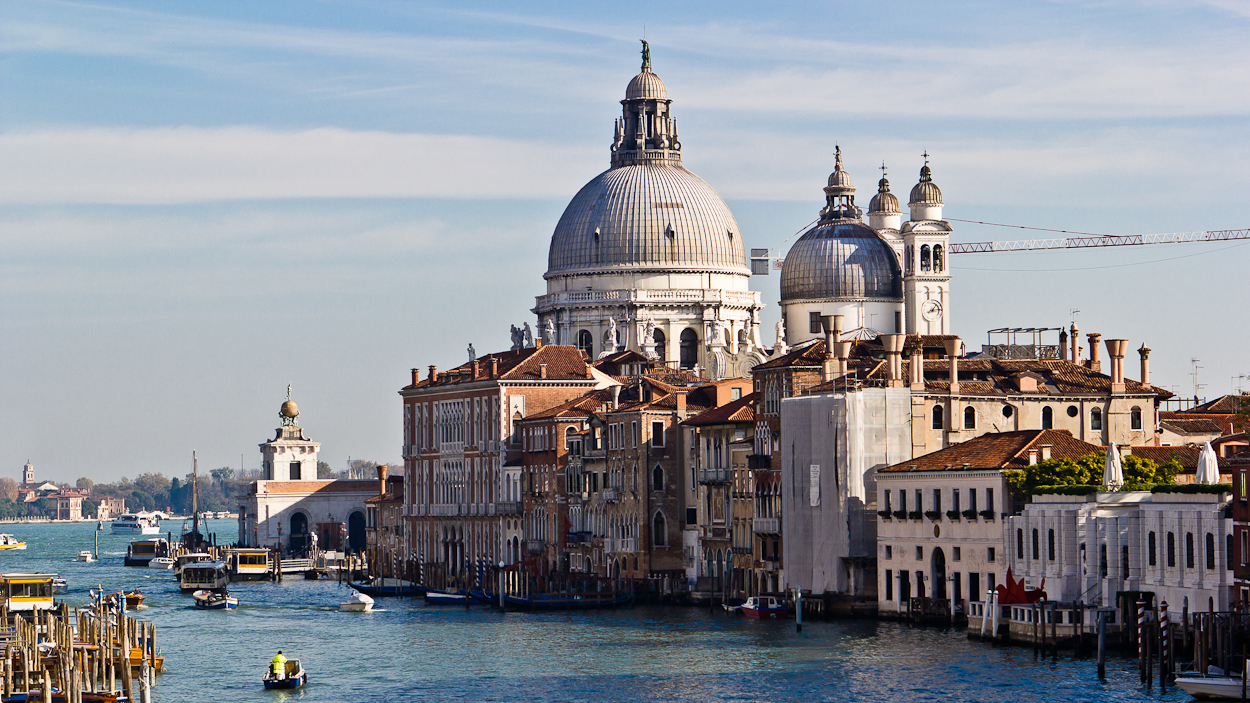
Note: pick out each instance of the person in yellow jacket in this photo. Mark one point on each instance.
(279, 666)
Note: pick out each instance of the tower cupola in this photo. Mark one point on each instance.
(839, 193)
(926, 197)
(883, 209)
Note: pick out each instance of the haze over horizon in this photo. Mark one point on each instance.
(201, 203)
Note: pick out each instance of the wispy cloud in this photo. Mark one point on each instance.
(244, 163)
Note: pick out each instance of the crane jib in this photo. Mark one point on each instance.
(1099, 241)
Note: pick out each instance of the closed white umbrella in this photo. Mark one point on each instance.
(1208, 466)
(1112, 475)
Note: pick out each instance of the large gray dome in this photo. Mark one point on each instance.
(841, 259)
(646, 217)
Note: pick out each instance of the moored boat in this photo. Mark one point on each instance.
(765, 607)
(444, 598)
(567, 601)
(358, 603)
(133, 598)
(142, 551)
(27, 591)
(203, 575)
(161, 563)
(1211, 686)
(292, 675)
(181, 561)
(8, 541)
(382, 588)
(214, 600)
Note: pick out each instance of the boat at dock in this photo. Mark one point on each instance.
(249, 564)
(203, 575)
(23, 592)
(390, 588)
(142, 551)
(358, 603)
(568, 601)
(292, 676)
(181, 561)
(161, 563)
(1211, 686)
(8, 541)
(133, 598)
(444, 598)
(214, 600)
(85, 555)
(135, 524)
(764, 607)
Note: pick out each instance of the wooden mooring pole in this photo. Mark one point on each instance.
(1102, 645)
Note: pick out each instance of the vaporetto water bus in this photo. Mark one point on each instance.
(134, 524)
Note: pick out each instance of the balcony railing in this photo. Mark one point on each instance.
(446, 510)
(714, 475)
(766, 525)
(578, 538)
(508, 508)
(611, 495)
(534, 546)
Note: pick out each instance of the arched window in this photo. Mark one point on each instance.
(1048, 418)
(1210, 551)
(970, 418)
(938, 423)
(937, 258)
(689, 348)
(924, 257)
(1036, 555)
(1095, 419)
(661, 344)
(1134, 418)
(1050, 545)
(586, 342)
(1019, 543)
(1189, 550)
(1171, 549)
(659, 530)
(657, 478)
(909, 253)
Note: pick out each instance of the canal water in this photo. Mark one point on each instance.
(410, 652)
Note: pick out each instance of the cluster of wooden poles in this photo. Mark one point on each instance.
(84, 655)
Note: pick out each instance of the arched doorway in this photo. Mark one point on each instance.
(356, 532)
(300, 539)
(586, 342)
(689, 348)
(661, 344)
(939, 573)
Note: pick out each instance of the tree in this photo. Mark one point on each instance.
(1087, 471)
(84, 484)
(8, 488)
(324, 470)
(222, 474)
(90, 508)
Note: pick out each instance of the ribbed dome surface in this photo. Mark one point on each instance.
(841, 259)
(884, 201)
(621, 219)
(926, 191)
(646, 86)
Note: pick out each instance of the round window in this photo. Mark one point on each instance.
(1072, 411)
(1008, 410)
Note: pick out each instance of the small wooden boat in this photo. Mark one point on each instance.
(443, 598)
(1210, 687)
(388, 588)
(358, 603)
(214, 600)
(85, 555)
(293, 676)
(8, 541)
(764, 607)
(133, 599)
(161, 563)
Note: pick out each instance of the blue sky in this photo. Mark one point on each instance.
(201, 202)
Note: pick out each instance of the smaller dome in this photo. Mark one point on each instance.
(926, 191)
(646, 86)
(884, 201)
(289, 409)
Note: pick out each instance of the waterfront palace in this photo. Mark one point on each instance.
(643, 428)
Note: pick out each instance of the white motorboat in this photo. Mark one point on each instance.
(134, 524)
(8, 541)
(85, 555)
(161, 563)
(1211, 686)
(358, 603)
(214, 599)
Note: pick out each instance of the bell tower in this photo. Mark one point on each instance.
(926, 246)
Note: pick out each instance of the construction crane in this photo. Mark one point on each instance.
(761, 258)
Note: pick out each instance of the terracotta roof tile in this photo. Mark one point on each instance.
(741, 410)
(328, 485)
(998, 450)
(564, 363)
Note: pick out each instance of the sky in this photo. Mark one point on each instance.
(203, 202)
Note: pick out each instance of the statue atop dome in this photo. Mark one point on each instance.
(289, 412)
(646, 55)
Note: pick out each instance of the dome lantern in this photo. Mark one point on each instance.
(839, 193)
(883, 210)
(926, 198)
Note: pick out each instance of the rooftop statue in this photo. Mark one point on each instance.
(646, 55)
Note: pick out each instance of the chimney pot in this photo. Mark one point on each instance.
(681, 402)
(1045, 453)
(494, 367)
(1032, 457)
(542, 371)
(1145, 365)
(1094, 364)
(952, 352)
(433, 373)
(382, 470)
(416, 376)
(837, 327)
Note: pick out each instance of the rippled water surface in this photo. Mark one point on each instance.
(410, 652)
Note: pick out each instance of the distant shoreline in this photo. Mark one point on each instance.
(50, 521)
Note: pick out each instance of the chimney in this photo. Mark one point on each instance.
(382, 479)
(1063, 344)
(1045, 452)
(1032, 456)
(952, 352)
(538, 342)
(1145, 365)
(1115, 350)
(616, 396)
(837, 327)
(1094, 364)
(842, 350)
(827, 367)
(433, 373)
(416, 376)
(1075, 356)
(542, 371)
(917, 368)
(893, 344)
(681, 402)
(473, 373)
(494, 367)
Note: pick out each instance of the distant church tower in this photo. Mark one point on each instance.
(28, 473)
(289, 456)
(926, 245)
